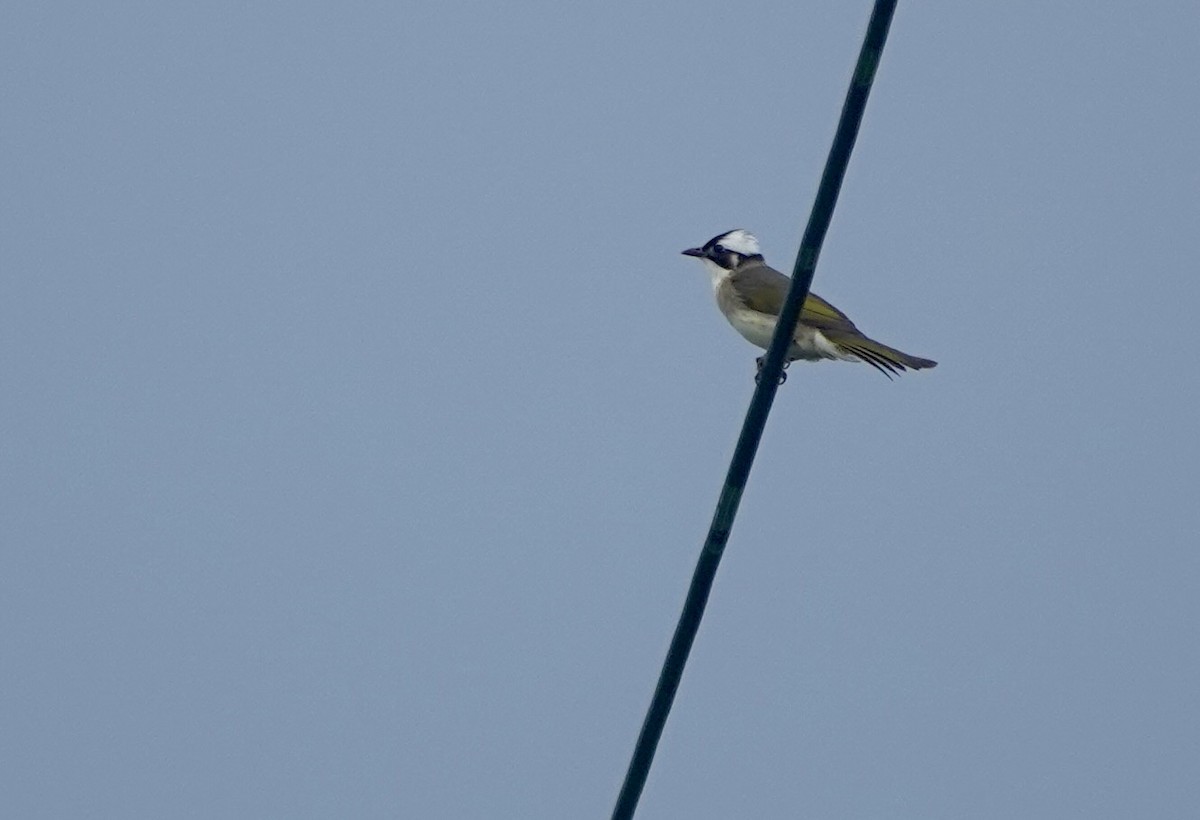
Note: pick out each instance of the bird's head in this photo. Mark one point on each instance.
(728, 250)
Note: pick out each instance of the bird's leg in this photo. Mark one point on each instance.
(760, 361)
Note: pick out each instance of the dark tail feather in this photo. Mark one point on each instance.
(887, 360)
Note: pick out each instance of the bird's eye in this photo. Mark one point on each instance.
(719, 249)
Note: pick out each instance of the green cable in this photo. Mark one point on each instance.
(756, 415)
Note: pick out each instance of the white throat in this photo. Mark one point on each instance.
(715, 272)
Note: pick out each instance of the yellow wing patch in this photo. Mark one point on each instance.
(821, 314)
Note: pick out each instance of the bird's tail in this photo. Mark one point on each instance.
(887, 360)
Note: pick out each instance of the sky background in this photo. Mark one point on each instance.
(361, 422)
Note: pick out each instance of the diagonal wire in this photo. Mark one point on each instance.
(756, 415)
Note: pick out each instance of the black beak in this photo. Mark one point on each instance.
(695, 252)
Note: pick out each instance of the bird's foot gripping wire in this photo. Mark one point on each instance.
(758, 375)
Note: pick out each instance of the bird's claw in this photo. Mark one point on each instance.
(760, 361)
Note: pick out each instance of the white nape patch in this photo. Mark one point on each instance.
(741, 241)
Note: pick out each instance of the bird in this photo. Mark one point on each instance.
(751, 294)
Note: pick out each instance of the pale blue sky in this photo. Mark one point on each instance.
(362, 422)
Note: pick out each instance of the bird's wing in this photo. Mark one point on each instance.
(760, 287)
(764, 289)
(820, 314)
